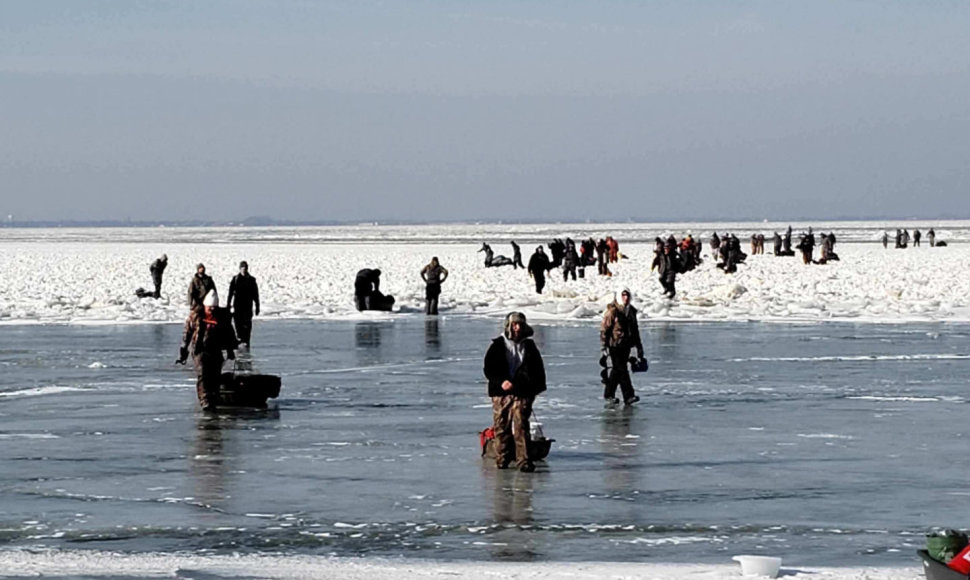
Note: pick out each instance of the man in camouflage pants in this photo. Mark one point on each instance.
(515, 375)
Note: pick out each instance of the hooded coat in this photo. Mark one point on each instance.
(620, 328)
(200, 285)
(528, 380)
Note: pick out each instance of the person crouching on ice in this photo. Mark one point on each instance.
(620, 334)
(207, 333)
(515, 373)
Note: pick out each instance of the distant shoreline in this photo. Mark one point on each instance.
(269, 223)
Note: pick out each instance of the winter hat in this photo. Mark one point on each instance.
(165, 257)
(618, 295)
(525, 330)
(211, 299)
(243, 264)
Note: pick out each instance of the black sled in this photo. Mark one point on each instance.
(247, 390)
(936, 570)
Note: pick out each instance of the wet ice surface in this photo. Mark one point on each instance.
(833, 444)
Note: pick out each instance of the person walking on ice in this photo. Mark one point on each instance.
(619, 335)
(243, 296)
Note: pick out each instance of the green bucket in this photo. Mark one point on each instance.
(943, 546)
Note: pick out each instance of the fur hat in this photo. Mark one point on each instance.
(211, 299)
(618, 295)
(525, 330)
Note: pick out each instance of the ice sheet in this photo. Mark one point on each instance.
(108, 564)
(89, 276)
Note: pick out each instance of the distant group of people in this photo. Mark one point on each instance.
(728, 249)
(903, 238)
(562, 254)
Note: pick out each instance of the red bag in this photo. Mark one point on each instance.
(485, 436)
(961, 562)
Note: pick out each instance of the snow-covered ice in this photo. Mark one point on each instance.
(94, 564)
(89, 276)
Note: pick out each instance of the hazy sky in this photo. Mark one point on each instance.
(465, 110)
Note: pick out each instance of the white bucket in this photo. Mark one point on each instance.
(759, 565)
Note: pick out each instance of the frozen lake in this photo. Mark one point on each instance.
(830, 443)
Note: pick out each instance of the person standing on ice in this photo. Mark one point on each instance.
(602, 249)
(206, 334)
(245, 291)
(433, 275)
(157, 268)
(199, 287)
(668, 264)
(885, 240)
(931, 237)
(539, 264)
(516, 375)
(619, 335)
(570, 261)
(516, 256)
(916, 237)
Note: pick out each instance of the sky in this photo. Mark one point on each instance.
(483, 111)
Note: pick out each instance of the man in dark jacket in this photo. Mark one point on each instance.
(620, 334)
(931, 236)
(245, 291)
(206, 334)
(538, 266)
(157, 268)
(515, 373)
(366, 285)
(668, 265)
(433, 275)
(516, 256)
(602, 249)
(199, 287)
(916, 237)
(558, 249)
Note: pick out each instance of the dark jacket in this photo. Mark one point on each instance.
(198, 288)
(619, 329)
(668, 265)
(157, 268)
(570, 259)
(367, 282)
(530, 377)
(538, 264)
(246, 292)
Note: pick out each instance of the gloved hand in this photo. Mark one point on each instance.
(230, 355)
(257, 311)
(183, 355)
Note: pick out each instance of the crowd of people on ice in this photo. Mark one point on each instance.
(513, 365)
